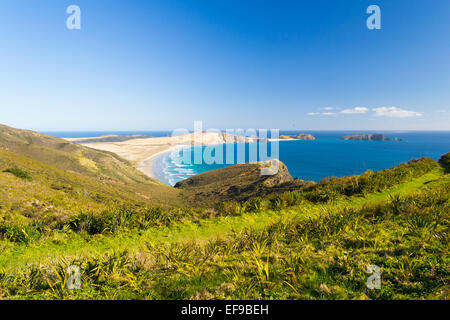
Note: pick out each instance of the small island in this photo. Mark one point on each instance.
(300, 136)
(369, 137)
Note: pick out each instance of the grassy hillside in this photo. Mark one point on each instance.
(69, 156)
(313, 243)
(33, 191)
(61, 177)
(242, 182)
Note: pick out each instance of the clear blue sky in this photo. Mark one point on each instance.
(155, 65)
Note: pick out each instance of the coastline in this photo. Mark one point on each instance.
(350, 157)
(146, 165)
(142, 152)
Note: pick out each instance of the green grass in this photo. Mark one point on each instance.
(15, 255)
(291, 253)
(201, 230)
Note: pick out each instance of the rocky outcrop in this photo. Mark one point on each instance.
(238, 182)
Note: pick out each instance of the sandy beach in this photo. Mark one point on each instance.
(143, 151)
(146, 166)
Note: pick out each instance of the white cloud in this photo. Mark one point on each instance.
(328, 108)
(394, 112)
(442, 111)
(321, 113)
(356, 110)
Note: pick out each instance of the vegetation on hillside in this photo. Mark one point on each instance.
(69, 156)
(444, 161)
(243, 182)
(297, 244)
(31, 190)
(18, 173)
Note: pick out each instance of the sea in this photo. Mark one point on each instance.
(314, 160)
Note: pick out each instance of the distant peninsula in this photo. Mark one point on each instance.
(108, 138)
(300, 136)
(369, 137)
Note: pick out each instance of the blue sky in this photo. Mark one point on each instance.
(156, 65)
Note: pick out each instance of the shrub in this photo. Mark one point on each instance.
(293, 198)
(254, 204)
(22, 233)
(117, 220)
(158, 216)
(277, 203)
(229, 208)
(88, 222)
(18, 173)
(444, 161)
(13, 233)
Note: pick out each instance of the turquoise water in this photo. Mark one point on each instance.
(327, 156)
(311, 160)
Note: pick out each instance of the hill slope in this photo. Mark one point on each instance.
(69, 156)
(68, 178)
(33, 190)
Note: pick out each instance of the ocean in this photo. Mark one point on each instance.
(308, 160)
